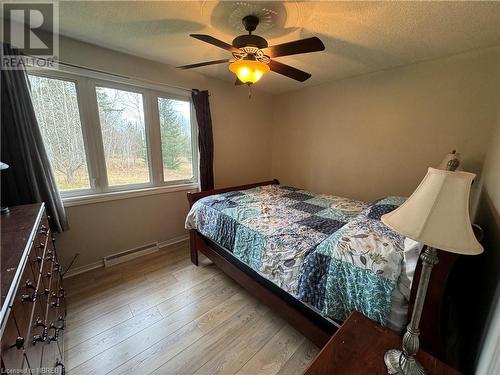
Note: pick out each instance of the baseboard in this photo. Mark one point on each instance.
(78, 270)
(92, 266)
(173, 241)
(136, 252)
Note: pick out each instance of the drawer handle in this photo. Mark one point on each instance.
(63, 324)
(42, 245)
(28, 298)
(55, 336)
(29, 285)
(38, 259)
(61, 292)
(39, 323)
(39, 338)
(56, 302)
(60, 364)
(19, 343)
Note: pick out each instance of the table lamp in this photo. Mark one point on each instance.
(437, 215)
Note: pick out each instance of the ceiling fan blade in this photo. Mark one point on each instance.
(313, 44)
(215, 42)
(288, 71)
(204, 64)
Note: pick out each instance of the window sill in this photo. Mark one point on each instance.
(116, 195)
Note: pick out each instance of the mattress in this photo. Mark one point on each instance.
(331, 253)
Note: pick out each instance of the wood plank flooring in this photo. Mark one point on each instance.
(159, 314)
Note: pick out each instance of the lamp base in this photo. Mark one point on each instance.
(398, 362)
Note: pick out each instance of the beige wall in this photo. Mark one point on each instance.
(491, 169)
(242, 154)
(375, 135)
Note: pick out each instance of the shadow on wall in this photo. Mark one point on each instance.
(472, 292)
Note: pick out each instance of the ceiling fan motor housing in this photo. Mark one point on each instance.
(250, 22)
(249, 41)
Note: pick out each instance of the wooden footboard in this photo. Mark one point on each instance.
(431, 335)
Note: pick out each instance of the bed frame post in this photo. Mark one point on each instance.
(192, 233)
(192, 247)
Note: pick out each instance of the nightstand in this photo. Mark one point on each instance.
(358, 347)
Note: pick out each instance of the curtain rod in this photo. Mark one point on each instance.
(113, 74)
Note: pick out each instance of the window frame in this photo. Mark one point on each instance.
(86, 83)
(194, 136)
(121, 87)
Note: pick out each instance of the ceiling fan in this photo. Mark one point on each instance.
(252, 57)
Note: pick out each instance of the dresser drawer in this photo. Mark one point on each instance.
(37, 336)
(37, 252)
(52, 351)
(47, 267)
(24, 301)
(12, 346)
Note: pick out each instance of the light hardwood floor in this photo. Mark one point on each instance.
(159, 314)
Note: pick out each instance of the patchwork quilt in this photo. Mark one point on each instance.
(330, 252)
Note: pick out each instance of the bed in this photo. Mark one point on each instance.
(315, 258)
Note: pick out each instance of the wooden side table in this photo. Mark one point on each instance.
(358, 347)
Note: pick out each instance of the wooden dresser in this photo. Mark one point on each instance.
(33, 308)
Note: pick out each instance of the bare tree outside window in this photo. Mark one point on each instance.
(121, 115)
(175, 130)
(56, 107)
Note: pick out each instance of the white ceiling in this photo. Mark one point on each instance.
(360, 37)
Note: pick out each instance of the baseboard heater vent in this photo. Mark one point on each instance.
(123, 256)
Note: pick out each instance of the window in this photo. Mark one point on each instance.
(56, 107)
(97, 133)
(175, 130)
(121, 115)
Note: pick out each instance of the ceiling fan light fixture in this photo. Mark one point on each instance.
(249, 71)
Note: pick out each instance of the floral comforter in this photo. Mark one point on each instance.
(330, 252)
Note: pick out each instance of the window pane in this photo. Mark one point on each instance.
(121, 114)
(175, 129)
(57, 112)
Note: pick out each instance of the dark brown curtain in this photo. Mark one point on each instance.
(205, 138)
(29, 179)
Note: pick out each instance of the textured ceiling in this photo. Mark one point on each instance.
(360, 37)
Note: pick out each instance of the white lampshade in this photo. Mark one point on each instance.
(437, 213)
